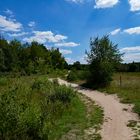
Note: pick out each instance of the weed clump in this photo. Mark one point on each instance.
(30, 111)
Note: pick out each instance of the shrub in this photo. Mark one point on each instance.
(78, 75)
(30, 111)
(3, 81)
(72, 76)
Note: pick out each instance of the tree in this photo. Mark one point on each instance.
(29, 58)
(2, 64)
(102, 58)
(3, 49)
(57, 60)
(14, 47)
(133, 67)
(77, 65)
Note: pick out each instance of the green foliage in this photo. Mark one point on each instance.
(57, 73)
(77, 65)
(3, 81)
(72, 76)
(129, 67)
(29, 58)
(30, 109)
(102, 58)
(137, 107)
(78, 75)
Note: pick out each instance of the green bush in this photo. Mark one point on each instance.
(29, 111)
(78, 75)
(72, 76)
(3, 81)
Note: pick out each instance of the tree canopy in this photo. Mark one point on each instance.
(29, 58)
(102, 58)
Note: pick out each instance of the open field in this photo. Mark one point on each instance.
(31, 107)
(128, 91)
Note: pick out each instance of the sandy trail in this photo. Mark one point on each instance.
(116, 119)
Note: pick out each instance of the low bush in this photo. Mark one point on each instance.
(78, 75)
(72, 76)
(3, 81)
(30, 111)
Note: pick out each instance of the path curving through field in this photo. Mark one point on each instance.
(116, 114)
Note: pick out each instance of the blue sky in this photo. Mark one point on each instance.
(69, 24)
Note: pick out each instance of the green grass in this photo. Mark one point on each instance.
(129, 91)
(75, 119)
(31, 107)
(79, 120)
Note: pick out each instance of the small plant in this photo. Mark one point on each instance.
(72, 76)
(137, 108)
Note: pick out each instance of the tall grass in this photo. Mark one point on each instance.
(129, 90)
(33, 108)
(30, 107)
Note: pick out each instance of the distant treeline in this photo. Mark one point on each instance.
(29, 58)
(78, 66)
(33, 58)
(127, 67)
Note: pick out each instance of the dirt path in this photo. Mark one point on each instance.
(116, 114)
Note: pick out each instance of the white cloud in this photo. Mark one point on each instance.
(69, 60)
(116, 31)
(9, 24)
(66, 44)
(130, 49)
(130, 57)
(65, 51)
(105, 3)
(82, 59)
(60, 37)
(45, 36)
(134, 30)
(131, 54)
(31, 24)
(17, 34)
(135, 5)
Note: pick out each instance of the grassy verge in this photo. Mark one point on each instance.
(128, 91)
(84, 122)
(32, 107)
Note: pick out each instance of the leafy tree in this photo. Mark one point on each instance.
(102, 58)
(57, 60)
(77, 65)
(14, 47)
(3, 48)
(133, 67)
(28, 58)
(2, 64)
